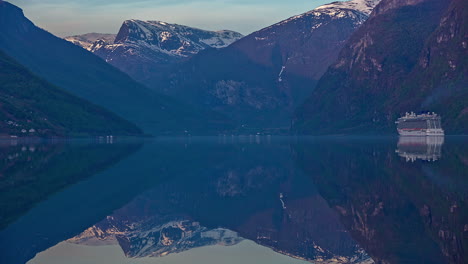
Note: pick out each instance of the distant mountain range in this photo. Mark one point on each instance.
(30, 106)
(342, 68)
(87, 76)
(409, 56)
(258, 80)
(143, 49)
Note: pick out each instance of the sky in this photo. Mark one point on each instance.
(72, 17)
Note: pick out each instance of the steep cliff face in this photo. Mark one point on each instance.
(407, 57)
(260, 79)
(441, 75)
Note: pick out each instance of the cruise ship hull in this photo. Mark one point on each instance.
(421, 133)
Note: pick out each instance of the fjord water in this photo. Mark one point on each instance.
(226, 199)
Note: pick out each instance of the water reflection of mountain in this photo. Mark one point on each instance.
(147, 238)
(67, 213)
(326, 201)
(30, 171)
(240, 193)
(398, 212)
(423, 148)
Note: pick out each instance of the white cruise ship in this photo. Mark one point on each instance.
(420, 125)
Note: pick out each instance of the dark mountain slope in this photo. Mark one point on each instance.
(30, 106)
(398, 61)
(86, 75)
(260, 79)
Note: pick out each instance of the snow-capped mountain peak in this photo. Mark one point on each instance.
(174, 39)
(143, 49)
(88, 40)
(364, 6)
(358, 10)
(169, 39)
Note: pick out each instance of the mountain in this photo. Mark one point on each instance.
(30, 106)
(87, 76)
(260, 79)
(150, 238)
(306, 44)
(87, 40)
(254, 193)
(409, 56)
(143, 48)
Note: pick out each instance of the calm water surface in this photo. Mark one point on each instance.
(235, 200)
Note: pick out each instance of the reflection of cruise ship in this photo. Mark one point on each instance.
(419, 125)
(423, 148)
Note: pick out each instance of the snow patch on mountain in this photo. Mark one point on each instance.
(88, 40)
(147, 39)
(358, 10)
(364, 6)
(173, 39)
